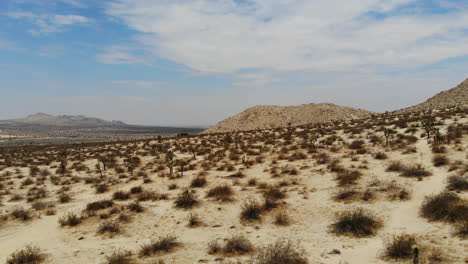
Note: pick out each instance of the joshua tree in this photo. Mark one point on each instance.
(193, 151)
(100, 169)
(428, 126)
(388, 133)
(181, 163)
(170, 161)
(62, 157)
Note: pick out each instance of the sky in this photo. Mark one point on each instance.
(196, 62)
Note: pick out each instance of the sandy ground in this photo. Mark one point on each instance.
(309, 204)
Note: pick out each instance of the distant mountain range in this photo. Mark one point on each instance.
(43, 119)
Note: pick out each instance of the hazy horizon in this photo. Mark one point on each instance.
(194, 63)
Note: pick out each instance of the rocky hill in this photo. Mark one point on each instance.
(264, 117)
(457, 96)
(64, 120)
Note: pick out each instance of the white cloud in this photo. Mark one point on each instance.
(49, 23)
(121, 55)
(292, 35)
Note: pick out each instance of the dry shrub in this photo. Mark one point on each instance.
(445, 206)
(440, 160)
(186, 199)
(161, 244)
(198, 182)
(348, 177)
(282, 218)
(28, 255)
(99, 205)
(358, 222)
(119, 257)
(457, 183)
(281, 252)
(416, 170)
(70, 219)
(251, 210)
(221, 192)
(395, 166)
(109, 227)
(238, 245)
(400, 246)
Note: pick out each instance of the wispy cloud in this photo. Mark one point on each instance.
(44, 24)
(294, 35)
(121, 55)
(137, 84)
(9, 45)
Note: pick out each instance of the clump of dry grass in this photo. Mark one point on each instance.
(238, 245)
(161, 244)
(251, 210)
(109, 227)
(400, 246)
(119, 257)
(282, 218)
(281, 252)
(358, 222)
(348, 177)
(70, 219)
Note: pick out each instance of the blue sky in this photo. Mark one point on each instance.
(181, 62)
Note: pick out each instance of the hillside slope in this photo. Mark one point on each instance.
(265, 117)
(457, 96)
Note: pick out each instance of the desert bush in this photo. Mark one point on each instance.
(99, 205)
(101, 188)
(399, 246)
(136, 189)
(347, 177)
(221, 192)
(380, 156)
(238, 244)
(282, 218)
(161, 244)
(28, 255)
(198, 182)
(273, 192)
(194, 220)
(358, 222)
(121, 195)
(20, 213)
(251, 210)
(395, 166)
(214, 247)
(416, 170)
(135, 207)
(356, 144)
(440, 160)
(70, 219)
(64, 198)
(461, 229)
(445, 206)
(457, 183)
(119, 257)
(186, 199)
(345, 194)
(108, 227)
(148, 195)
(281, 252)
